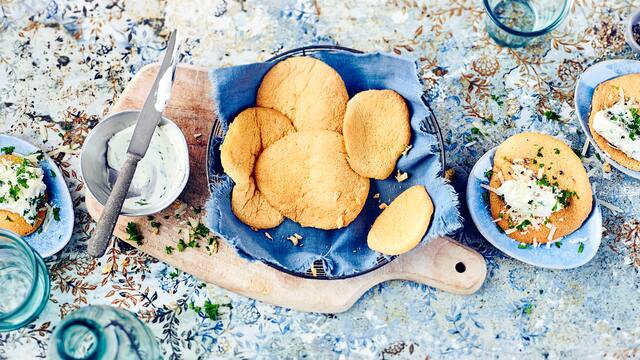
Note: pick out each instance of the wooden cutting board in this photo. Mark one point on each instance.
(442, 263)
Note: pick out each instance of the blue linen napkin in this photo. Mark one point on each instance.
(344, 251)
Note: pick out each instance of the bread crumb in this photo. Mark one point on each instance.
(401, 176)
(383, 206)
(406, 150)
(376, 196)
(606, 167)
(449, 174)
(268, 235)
(294, 240)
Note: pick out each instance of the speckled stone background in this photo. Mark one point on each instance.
(64, 62)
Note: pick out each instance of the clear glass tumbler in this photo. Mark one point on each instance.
(100, 332)
(514, 23)
(24, 282)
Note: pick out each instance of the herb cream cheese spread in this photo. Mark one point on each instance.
(158, 174)
(620, 126)
(22, 189)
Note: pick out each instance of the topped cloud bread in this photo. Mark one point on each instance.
(376, 132)
(614, 120)
(22, 195)
(539, 189)
(305, 175)
(307, 91)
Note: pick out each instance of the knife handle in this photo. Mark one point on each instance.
(107, 222)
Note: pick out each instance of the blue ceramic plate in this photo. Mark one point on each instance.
(57, 233)
(587, 83)
(565, 257)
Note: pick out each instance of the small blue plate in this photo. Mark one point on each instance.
(586, 85)
(565, 257)
(57, 233)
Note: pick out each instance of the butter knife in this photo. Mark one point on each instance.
(145, 126)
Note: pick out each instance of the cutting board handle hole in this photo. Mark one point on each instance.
(461, 267)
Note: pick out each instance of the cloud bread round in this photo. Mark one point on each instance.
(402, 224)
(305, 175)
(561, 165)
(376, 131)
(251, 207)
(605, 96)
(14, 222)
(251, 131)
(307, 91)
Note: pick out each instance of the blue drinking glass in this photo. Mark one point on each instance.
(514, 23)
(24, 282)
(100, 332)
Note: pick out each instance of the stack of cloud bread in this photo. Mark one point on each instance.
(539, 190)
(306, 152)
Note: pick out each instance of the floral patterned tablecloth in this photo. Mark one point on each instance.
(64, 62)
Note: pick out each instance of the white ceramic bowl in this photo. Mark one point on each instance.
(93, 161)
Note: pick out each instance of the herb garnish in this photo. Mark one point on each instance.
(134, 234)
(56, 213)
(539, 154)
(551, 115)
(8, 150)
(580, 248)
(523, 225)
(523, 246)
(168, 250)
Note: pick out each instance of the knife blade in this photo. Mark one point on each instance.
(145, 127)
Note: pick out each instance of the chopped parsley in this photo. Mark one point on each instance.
(564, 197)
(8, 150)
(527, 309)
(539, 154)
(497, 99)
(134, 234)
(544, 181)
(523, 246)
(488, 174)
(558, 244)
(523, 225)
(8, 219)
(181, 245)
(556, 151)
(168, 250)
(634, 125)
(56, 214)
(174, 274)
(551, 115)
(53, 174)
(580, 248)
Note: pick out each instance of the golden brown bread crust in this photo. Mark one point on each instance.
(252, 208)
(307, 91)
(305, 175)
(402, 224)
(605, 96)
(253, 130)
(14, 222)
(562, 166)
(376, 131)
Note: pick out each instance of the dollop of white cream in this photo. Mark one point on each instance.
(158, 174)
(613, 125)
(526, 198)
(21, 189)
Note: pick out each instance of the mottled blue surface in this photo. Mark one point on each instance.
(587, 83)
(565, 257)
(56, 234)
(344, 252)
